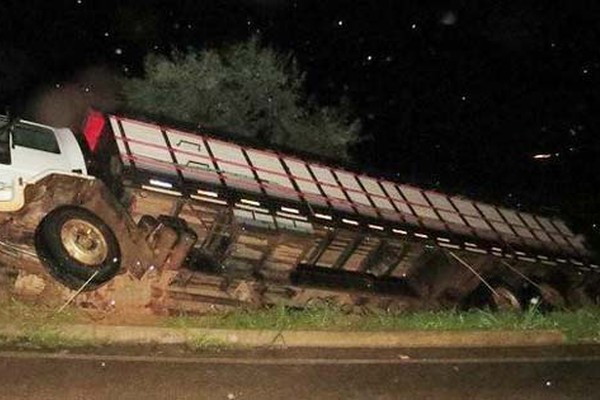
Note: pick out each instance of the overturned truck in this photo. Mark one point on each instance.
(186, 221)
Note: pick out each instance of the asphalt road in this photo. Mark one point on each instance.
(159, 373)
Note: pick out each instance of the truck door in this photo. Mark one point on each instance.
(26, 152)
(35, 151)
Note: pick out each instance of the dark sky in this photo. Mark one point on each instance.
(457, 95)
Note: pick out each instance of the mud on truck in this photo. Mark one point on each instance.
(130, 213)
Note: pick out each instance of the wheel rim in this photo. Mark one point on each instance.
(84, 242)
(505, 299)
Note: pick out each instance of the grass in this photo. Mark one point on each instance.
(16, 311)
(205, 342)
(580, 325)
(38, 325)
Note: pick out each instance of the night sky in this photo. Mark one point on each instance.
(495, 100)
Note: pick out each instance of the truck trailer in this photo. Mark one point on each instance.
(200, 223)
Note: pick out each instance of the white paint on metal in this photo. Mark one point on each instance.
(207, 193)
(562, 227)
(377, 195)
(396, 198)
(163, 191)
(162, 184)
(247, 207)
(209, 199)
(292, 216)
(303, 179)
(511, 217)
(449, 246)
(142, 140)
(329, 184)
(251, 202)
(353, 189)
(272, 173)
(528, 259)
(376, 227)
(233, 165)
(193, 156)
(473, 250)
(114, 124)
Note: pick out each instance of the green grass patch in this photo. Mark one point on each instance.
(580, 325)
(21, 312)
(205, 342)
(37, 325)
(44, 338)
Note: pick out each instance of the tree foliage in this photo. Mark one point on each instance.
(246, 89)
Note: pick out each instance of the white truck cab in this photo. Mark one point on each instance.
(30, 152)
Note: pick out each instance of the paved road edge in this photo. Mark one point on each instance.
(263, 338)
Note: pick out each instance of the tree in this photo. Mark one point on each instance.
(246, 89)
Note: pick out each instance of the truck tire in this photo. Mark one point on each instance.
(75, 244)
(505, 299)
